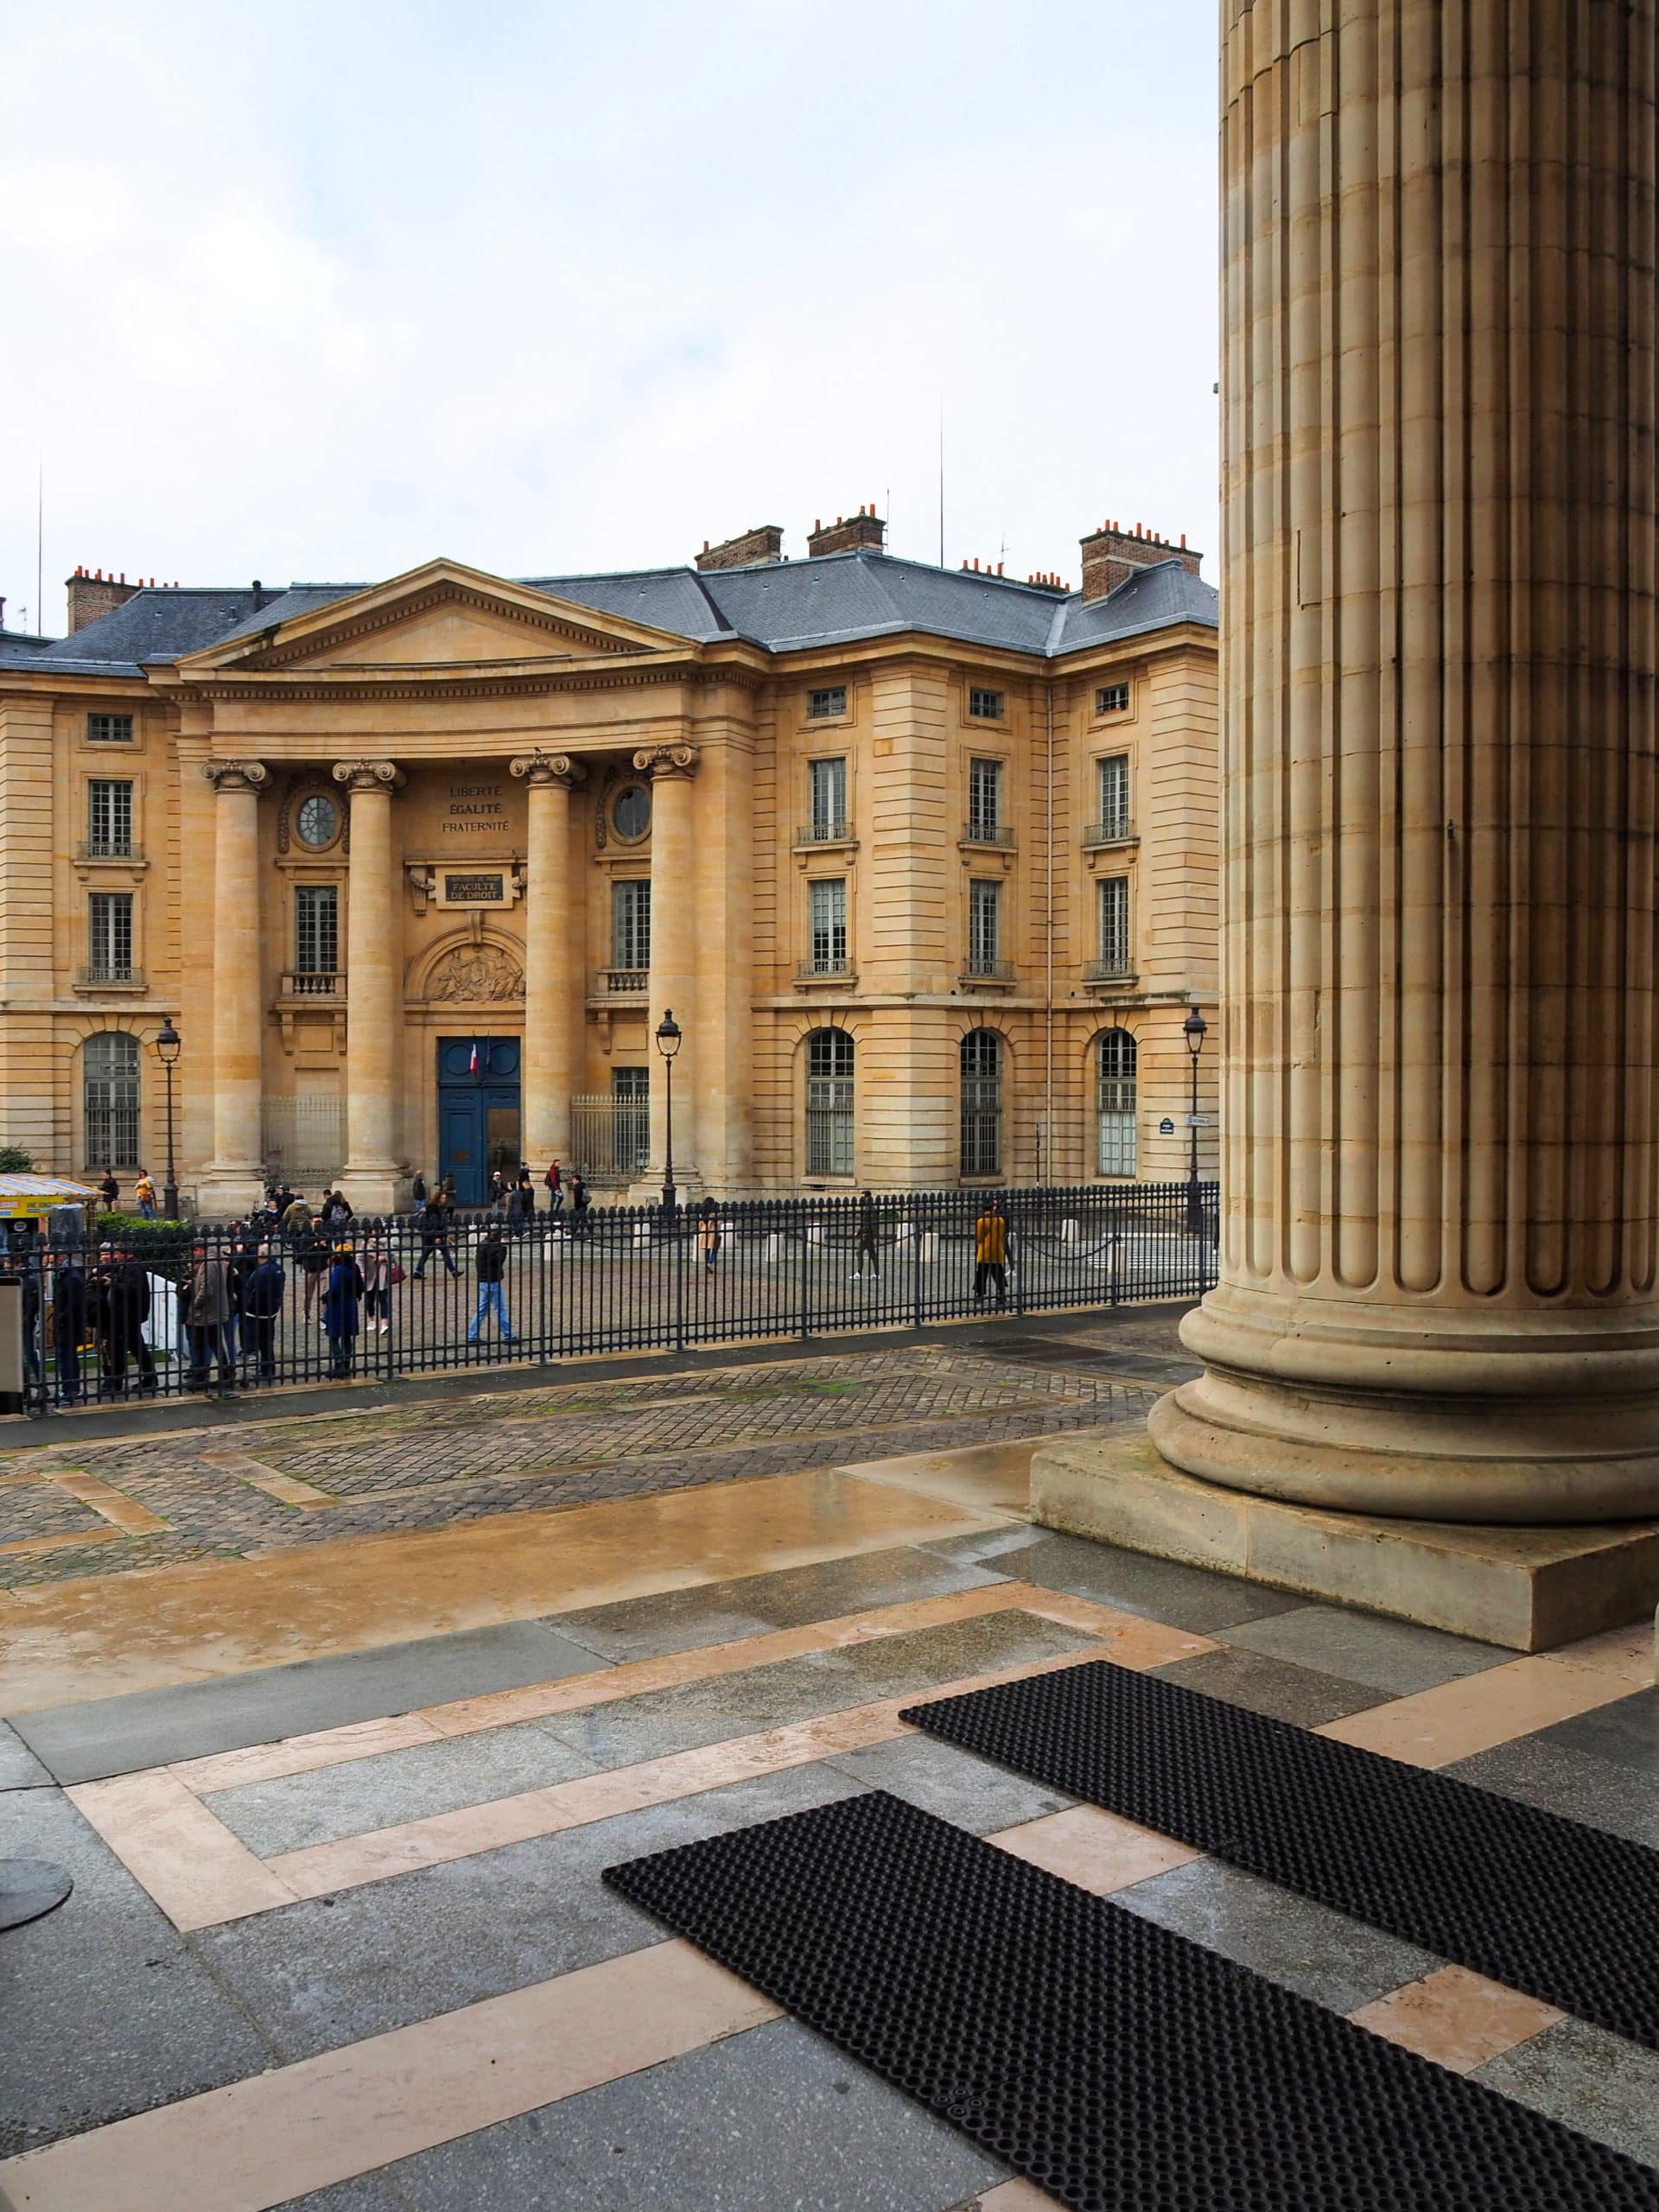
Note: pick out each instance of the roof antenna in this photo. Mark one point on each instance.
(40, 537)
(941, 480)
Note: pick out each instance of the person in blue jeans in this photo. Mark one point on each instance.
(490, 1261)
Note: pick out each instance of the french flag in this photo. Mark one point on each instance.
(472, 1064)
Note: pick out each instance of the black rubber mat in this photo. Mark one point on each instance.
(1119, 2066)
(1562, 1911)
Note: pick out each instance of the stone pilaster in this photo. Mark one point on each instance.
(554, 959)
(673, 950)
(1440, 1115)
(372, 1178)
(235, 1179)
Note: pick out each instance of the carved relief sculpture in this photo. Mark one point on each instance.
(475, 975)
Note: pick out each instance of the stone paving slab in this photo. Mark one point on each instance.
(120, 1735)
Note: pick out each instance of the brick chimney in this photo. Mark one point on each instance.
(1112, 554)
(864, 532)
(764, 543)
(92, 595)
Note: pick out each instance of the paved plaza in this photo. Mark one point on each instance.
(337, 1716)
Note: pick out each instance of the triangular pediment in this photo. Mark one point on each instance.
(439, 618)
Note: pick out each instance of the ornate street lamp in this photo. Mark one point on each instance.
(670, 1038)
(168, 1043)
(1193, 1030)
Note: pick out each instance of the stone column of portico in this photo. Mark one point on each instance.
(1436, 1293)
(673, 952)
(234, 1181)
(555, 977)
(371, 1175)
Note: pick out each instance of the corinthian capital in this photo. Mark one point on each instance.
(369, 775)
(655, 761)
(539, 767)
(237, 775)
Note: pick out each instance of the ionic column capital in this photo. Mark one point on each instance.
(370, 775)
(539, 767)
(659, 761)
(236, 775)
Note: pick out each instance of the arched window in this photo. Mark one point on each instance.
(110, 1076)
(1115, 1103)
(981, 1103)
(828, 1102)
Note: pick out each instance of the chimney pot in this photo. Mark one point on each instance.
(861, 532)
(755, 548)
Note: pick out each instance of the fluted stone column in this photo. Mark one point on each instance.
(373, 964)
(554, 959)
(235, 1179)
(1437, 1286)
(673, 950)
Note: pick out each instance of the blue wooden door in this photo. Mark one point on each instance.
(478, 1112)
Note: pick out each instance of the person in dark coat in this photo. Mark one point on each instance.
(263, 1288)
(128, 1295)
(581, 1200)
(868, 1232)
(418, 1189)
(490, 1259)
(69, 1318)
(432, 1222)
(341, 1309)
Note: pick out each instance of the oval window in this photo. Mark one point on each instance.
(317, 822)
(632, 812)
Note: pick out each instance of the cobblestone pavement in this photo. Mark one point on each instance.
(141, 1502)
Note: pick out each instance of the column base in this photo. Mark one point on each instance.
(375, 1188)
(1527, 1589)
(227, 1193)
(646, 1190)
(1432, 1413)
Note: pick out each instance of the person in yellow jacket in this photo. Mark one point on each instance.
(991, 1252)
(144, 1191)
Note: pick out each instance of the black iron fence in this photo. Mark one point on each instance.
(143, 1310)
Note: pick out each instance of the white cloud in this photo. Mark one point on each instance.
(323, 291)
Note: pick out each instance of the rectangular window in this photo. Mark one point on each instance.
(984, 927)
(1112, 699)
(828, 925)
(1115, 925)
(829, 1103)
(1115, 796)
(823, 705)
(985, 706)
(316, 929)
(984, 800)
(109, 729)
(630, 1119)
(109, 820)
(109, 930)
(631, 922)
(826, 793)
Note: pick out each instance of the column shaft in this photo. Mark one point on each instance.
(373, 964)
(1438, 1277)
(554, 961)
(673, 948)
(238, 1010)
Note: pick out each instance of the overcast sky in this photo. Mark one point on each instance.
(313, 292)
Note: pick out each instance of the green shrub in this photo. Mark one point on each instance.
(14, 1160)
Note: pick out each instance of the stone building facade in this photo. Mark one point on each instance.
(923, 861)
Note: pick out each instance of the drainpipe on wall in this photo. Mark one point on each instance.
(1048, 926)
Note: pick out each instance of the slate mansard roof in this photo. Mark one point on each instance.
(785, 606)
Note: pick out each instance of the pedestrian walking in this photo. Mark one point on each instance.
(526, 1195)
(708, 1233)
(418, 1189)
(991, 1254)
(109, 1189)
(554, 1179)
(314, 1258)
(868, 1230)
(447, 1188)
(206, 1309)
(263, 1288)
(336, 1209)
(581, 1200)
(342, 1308)
(380, 1272)
(296, 1218)
(144, 1192)
(28, 1273)
(128, 1296)
(490, 1263)
(69, 1318)
(432, 1222)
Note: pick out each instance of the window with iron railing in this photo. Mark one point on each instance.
(109, 937)
(109, 819)
(1115, 1103)
(316, 929)
(826, 796)
(985, 801)
(1114, 796)
(631, 923)
(1115, 925)
(981, 1103)
(984, 928)
(829, 1103)
(826, 925)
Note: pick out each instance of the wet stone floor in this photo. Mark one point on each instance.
(336, 1719)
